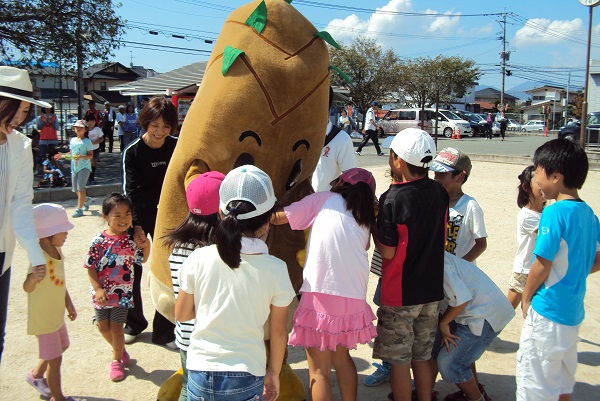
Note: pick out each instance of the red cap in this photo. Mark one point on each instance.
(203, 193)
(358, 174)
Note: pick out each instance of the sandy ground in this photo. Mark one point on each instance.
(85, 364)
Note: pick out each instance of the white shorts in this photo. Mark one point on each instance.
(547, 359)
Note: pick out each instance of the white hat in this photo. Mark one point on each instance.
(247, 183)
(414, 146)
(50, 219)
(15, 83)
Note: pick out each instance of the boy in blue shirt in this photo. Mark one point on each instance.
(566, 251)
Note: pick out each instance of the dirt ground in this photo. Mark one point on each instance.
(86, 362)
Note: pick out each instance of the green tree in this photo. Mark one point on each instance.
(72, 32)
(373, 70)
(425, 81)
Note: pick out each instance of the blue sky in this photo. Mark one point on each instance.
(546, 38)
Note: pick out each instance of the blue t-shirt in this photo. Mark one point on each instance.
(569, 236)
(80, 147)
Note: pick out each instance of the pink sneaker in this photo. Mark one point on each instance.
(39, 384)
(117, 371)
(125, 358)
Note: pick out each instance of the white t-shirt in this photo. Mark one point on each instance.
(527, 224)
(336, 261)
(336, 156)
(465, 225)
(95, 134)
(370, 115)
(120, 119)
(232, 306)
(465, 282)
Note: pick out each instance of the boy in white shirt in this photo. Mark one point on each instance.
(466, 236)
(475, 311)
(95, 135)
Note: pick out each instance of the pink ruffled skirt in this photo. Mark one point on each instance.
(325, 321)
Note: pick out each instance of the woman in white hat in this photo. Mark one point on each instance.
(16, 180)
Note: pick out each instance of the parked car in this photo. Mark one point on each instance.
(572, 129)
(449, 122)
(513, 125)
(396, 120)
(533, 126)
(478, 124)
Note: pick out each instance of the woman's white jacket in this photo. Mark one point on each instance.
(17, 223)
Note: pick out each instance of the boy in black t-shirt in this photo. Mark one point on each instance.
(412, 232)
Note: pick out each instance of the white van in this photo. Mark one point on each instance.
(396, 120)
(448, 122)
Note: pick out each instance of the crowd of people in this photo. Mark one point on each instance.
(437, 311)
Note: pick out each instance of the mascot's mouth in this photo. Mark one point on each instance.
(246, 158)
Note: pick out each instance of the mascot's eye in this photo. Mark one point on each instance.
(294, 174)
(243, 159)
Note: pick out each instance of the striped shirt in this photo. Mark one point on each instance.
(183, 330)
(3, 184)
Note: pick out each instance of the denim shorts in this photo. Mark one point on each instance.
(224, 386)
(455, 365)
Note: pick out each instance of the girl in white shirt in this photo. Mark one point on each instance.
(232, 289)
(531, 202)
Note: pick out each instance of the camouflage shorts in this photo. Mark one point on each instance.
(406, 333)
(517, 282)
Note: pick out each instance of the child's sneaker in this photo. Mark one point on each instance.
(381, 375)
(39, 384)
(77, 213)
(117, 372)
(86, 204)
(125, 358)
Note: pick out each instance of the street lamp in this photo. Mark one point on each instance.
(582, 134)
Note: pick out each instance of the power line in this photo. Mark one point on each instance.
(168, 47)
(385, 12)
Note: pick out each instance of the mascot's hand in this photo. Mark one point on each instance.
(271, 386)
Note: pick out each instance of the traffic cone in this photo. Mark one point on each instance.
(457, 132)
(453, 134)
(546, 130)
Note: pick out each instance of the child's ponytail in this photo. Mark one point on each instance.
(228, 235)
(360, 201)
(228, 238)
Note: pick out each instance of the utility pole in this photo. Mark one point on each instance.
(503, 58)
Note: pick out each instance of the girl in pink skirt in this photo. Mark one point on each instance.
(333, 315)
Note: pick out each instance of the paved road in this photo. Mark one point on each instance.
(513, 145)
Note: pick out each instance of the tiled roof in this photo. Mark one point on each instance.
(491, 93)
(175, 80)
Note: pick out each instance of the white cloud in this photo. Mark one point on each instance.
(541, 31)
(445, 24)
(380, 24)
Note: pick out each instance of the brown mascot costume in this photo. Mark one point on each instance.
(263, 101)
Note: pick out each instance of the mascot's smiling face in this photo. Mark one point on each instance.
(263, 100)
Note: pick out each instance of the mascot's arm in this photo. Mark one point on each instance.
(184, 307)
(278, 346)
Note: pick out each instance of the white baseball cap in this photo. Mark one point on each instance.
(247, 183)
(414, 146)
